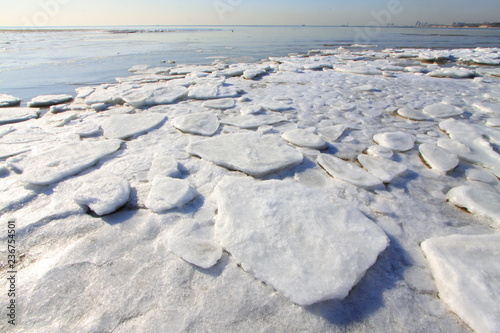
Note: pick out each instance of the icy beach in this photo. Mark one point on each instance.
(342, 190)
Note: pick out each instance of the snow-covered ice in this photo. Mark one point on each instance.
(467, 274)
(103, 193)
(304, 138)
(220, 104)
(478, 199)
(442, 110)
(127, 125)
(302, 242)
(251, 153)
(438, 158)
(168, 193)
(48, 100)
(399, 141)
(198, 123)
(347, 171)
(165, 166)
(15, 115)
(154, 95)
(249, 121)
(382, 168)
(199, 252)
(9, 100)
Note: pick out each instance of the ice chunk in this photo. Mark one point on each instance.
(250, 121)
(380, 151)
(467, 274)
(384, 169)
(277, 106)
(15, 115)
(252, 153)
(304, 138)
(454, 72)
(8, 100)
(103, 193)
(299, 240)
(491, 108)
(66, 160)
(438, 158)
(412, 114)
(358, 70)
(478, 199)
(59, 120)
(332, 133)
(251, 109)
(88, 129)
(493, 122)
(169, 193)
(198, 123)
(399, 141)
(480, 176)
(220, 104)
(154, 95)
(127, 125)
(200, 252)
(48, 100)
(442, 110)
(165, 166)
(252, 73)
(347, 171)
(212, 91)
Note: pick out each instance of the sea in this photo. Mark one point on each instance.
(57, 60)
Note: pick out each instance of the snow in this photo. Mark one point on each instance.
(128, 125)
(347, 171)
(478, 199)
(212, 91)
(332, 133)
(382, 168)
(438, 158)
(399, 141)
(164, 165)
(65, 160)
(467, 275)
(380, 151)
(249, 121)
(103, 193)
(304, 138)
(9, 100)
(251, 153)
(205, 124)
(412, 114)
(442, 110)
(48, 100)
(169, 193)
(304, 243)
(150, 95)
(15, 115)
(220, 104)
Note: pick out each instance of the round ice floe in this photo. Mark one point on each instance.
(399, 141)
(250, 74)
(15, 115)
(480, 175)
(8, 100)
(103, 193)
(304, 138)
(384, 169)
(277, 106)
(438, 158)
(442, 110)
(199, 252)
(251, 109)
(347, 171)
(220, 104)
(297, 239)
(165, 166)
(251, 153)
(380, 151)
(482, 200)
(198, 123)
(250, 121)
(332, 133)
(209, 91)
(48, 100)
(412, 114)
(87, 128)
(154, 95)
(65, 160)
(466, 270)
(169, 193)
(127, 125)
(454, 72)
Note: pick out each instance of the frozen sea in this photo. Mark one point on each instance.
(272, 179)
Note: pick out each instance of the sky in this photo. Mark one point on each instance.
(43, 13)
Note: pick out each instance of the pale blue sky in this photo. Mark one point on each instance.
(242, 12)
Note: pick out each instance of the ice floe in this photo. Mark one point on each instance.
(272, 228)
(48, 100)
(479, 199)
(164, 165)
(127, 125)
(438, 158)
(15, 115)
(382, 168)
(154, 95)
(65, 160)
(347, 171)
(442, 110)
(467, 275)
(103, 193)
(169, 193)
(251, 153)
(249, 121)
(205, 124)
(304, 138)
(399, 141)
(8, 100)
(220, 104)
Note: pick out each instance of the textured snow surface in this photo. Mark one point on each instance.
(308, 246)
(252, 153)
(225, 233)
(467, 274)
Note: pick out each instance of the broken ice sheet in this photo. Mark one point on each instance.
(299, 240)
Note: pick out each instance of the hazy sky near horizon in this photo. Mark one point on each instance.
(244, 12)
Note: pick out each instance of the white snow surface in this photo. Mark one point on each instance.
(198, 123)
(438, 158)
(127, 125)
(286, 235)
(133, 270)
(169, 193)
(399, 141)
(467, 275)
(304, 138)
(347, 171)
